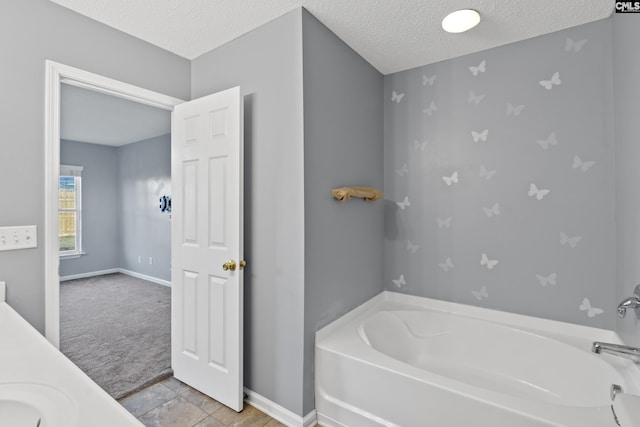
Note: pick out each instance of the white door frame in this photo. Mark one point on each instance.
(56, 74)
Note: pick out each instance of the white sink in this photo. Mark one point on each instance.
(35, 405)
(19, 414)
(36, 379)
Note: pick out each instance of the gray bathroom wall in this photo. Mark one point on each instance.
(99, 199)
(499, 176)
(30, 32)
(267, 64)
(626, 69)
(144, 175)
(342, 146)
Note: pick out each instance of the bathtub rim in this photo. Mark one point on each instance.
(331, 337)
(551, 328)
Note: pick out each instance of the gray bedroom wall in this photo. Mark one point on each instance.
(626, 69)
(121, 220)
(267, 64)
(499, 175)
(99, 202)
(342, 146)
(30, 32)
(144, 175)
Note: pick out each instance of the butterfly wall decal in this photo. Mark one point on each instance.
(546, 143)
(444, 222)
(482, 293)
(432, 109)
(475, 99)
(553, 81)
(591, 311)
(428, 80)
(486, 174)
(411, 247)
(513, 110)
(578, 163)
(396, 97)
(547, 280)
(446, 265)
(404, 204)
(481, 68)
(480, 136)
(489, 263)
(450, 180)
(571, 241)
(403, 170)
(417, 145)
(492, 211)
(575, 46)
(400, 281)
(537, 193)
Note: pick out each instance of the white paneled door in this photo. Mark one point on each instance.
(206, 313)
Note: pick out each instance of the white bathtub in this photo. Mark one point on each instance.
(407, 361)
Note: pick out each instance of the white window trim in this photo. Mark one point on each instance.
(71, 170)
(75, 171)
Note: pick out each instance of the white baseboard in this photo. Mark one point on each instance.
(116, 270)
(310, 420)
(278, 412)
(89, 274)
(325, 421)
(145, 277)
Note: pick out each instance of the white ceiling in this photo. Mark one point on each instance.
(393, 35)
(92, 117)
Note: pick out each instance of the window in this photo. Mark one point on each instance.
(70, 210)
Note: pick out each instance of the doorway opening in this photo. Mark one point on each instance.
(56, 75)
(115, 239)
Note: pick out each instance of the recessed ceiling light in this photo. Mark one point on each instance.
(460, 21)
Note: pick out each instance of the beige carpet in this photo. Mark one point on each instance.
(117, 329)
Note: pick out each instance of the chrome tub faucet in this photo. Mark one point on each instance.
(625, 351)
(630, 303)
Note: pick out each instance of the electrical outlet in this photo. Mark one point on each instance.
(139, 259)
(20, 237)
(150, 260)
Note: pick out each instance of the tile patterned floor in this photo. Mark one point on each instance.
(171, 403)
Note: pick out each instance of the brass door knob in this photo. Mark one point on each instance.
(243, 264)
(229, 265)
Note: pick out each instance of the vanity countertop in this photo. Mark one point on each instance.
(30, 364)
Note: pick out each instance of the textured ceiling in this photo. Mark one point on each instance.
(89, 116)
(393, 35)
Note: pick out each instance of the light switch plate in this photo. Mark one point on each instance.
(18, 237)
